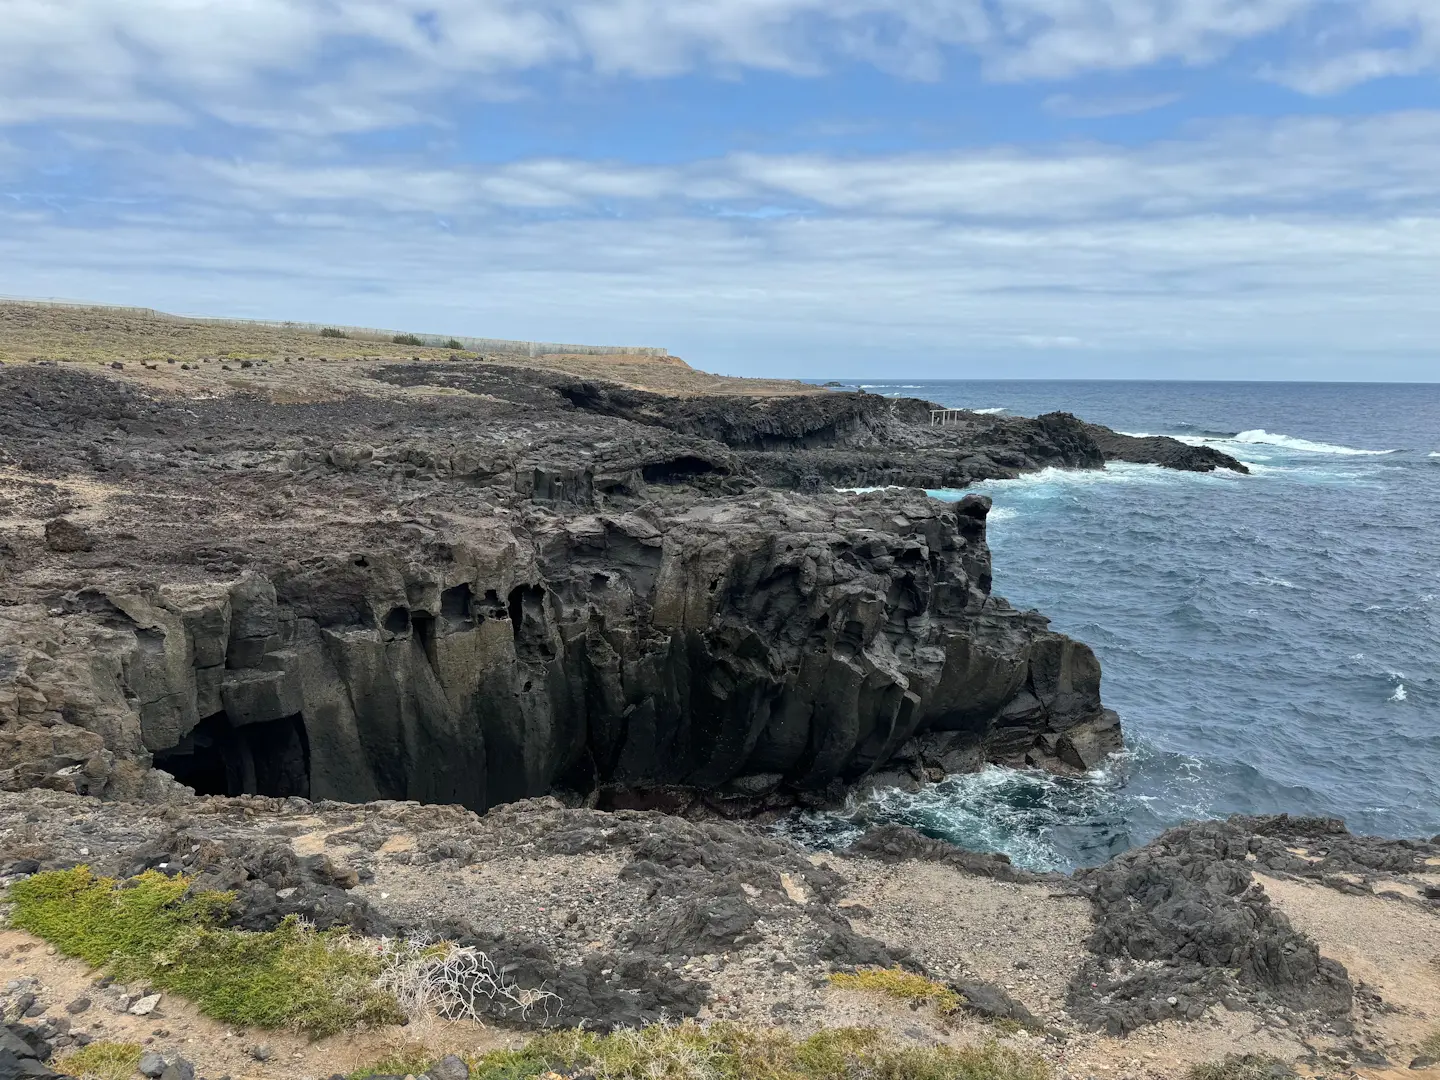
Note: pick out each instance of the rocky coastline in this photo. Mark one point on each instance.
(470, 582)
(524, 659)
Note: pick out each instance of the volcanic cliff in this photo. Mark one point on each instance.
(466, 581)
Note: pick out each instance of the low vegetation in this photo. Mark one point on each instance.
(1243, 1067)
(900, 984)
(102, 1061)
(406, 339)
(331, 332)
(158, 932)
(153, 930)
(731, 1052)
(1431, 1046)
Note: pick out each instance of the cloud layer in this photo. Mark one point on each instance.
(309, 159)
(1305, 239)
(352, 65)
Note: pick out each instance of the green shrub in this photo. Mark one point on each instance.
(330, 331)
(406, 339)
(1431, 1046)
(454, 345)
(102, 1061)
(154, 929)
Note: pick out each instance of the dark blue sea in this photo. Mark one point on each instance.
(1272, 641)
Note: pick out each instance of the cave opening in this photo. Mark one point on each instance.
(218, 758)
(679, 470)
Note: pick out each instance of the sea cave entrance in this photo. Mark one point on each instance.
(218, 758)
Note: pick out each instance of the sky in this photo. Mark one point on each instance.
(822, 188)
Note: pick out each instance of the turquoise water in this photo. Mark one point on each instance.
(1272, 642)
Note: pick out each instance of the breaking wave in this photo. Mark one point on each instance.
(1260, 435)
(1042, 822)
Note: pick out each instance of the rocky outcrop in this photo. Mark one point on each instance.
(1181, 925)
(763, 647)
(806, 442)
(1161, 450)
(472, 582)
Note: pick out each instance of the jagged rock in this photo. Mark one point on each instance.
(994, 1003)
(65, 536)
(23, 1053)
(899, 844)
(1160, 450)
(1181, 924)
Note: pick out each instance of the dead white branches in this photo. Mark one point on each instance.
(458, 983)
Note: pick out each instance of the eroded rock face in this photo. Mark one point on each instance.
(763, 647)
(1182, 924)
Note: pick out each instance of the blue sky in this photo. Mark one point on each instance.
(927, 188)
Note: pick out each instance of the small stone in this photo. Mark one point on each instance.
(260, 1052)
(78, 1006)
(145, 1006)
(1424, 1061)
(450, 1067)
(179, 1069)
(151, 1064)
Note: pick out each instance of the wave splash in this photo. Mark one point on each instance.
(1261, 437)
(1042, 822)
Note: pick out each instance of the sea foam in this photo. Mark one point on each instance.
(1289, 442)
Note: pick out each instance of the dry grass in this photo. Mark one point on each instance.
(731, 1052)
(102, 335)
(102, 1061)
(902, 985)
(99, 337)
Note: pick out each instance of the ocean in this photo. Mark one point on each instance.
(1271, 642)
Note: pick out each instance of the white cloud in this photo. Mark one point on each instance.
(1383, 164)
(345, 65)
(1303, 238)
(1370, 40)
(799, 295)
